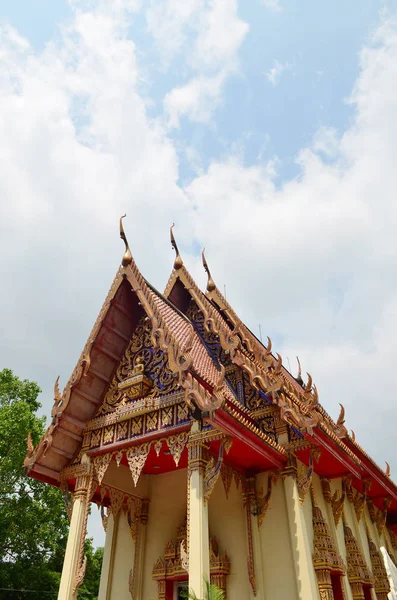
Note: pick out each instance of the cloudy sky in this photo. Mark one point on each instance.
(265, 129)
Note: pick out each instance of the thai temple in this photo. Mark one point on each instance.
(209, 460)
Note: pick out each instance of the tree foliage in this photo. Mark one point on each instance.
(33, 520)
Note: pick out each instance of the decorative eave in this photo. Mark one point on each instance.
(201, 381)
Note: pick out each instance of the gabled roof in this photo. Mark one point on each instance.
(201, 379)
(298, 402)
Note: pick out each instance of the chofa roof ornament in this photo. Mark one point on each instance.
(127, 257)
(210, 282)
(178, 264)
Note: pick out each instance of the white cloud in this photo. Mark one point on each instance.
(275, 73)
(197, 99)
(314, 261)
(213, 58)
(273, 5)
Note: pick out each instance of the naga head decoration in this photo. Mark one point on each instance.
(299, 376)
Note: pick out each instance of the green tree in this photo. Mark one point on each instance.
(212, 592)
(33, 520)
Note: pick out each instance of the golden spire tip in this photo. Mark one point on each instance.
(127, 257)
(178, 263)
(210, 281)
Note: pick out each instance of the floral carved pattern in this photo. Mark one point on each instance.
(136, 457)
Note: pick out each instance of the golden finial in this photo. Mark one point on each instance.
(210, 282)
(341, 419)
(352, 435)
(387, 469)
(29, 444)
(308, 386)
(57, 393)
(178, 261)
(127, 257)
(299, 376)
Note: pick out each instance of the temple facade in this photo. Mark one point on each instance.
(208, 459)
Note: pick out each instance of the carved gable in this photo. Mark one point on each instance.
(139, 358)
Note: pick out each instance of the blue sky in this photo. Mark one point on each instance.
(317, 45)
(264, 129)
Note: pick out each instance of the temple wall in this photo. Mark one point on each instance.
(277, 561)
(273, 553)
(227, 522)
(167, 510)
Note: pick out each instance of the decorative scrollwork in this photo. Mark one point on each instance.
(263, 500)
(140, 352)
(136, 457)
(304, 478)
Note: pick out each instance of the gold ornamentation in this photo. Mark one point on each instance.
(211, 473)
(183, 412)
(96, 438)
(358, 573)
(176, 562)
(382, 585)
(108, 435)
(85, 488)
(210, 282)
(101, 464)
(249, 501)
(176, 444)
(381, 516)
(227, 476)
(127, 257)
(136, 426)
(139, 354)
(151, 421)
(157, 446)
(263, 500)
(340, 429)
(387, 469)
(105, 514)
(167, 416)
(336, 500)
(326, 558)
(118, 457)
(304, 478)
(136, 457)
(359, 500)
(116, 500)
(178, 263)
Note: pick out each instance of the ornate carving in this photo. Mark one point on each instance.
(381, 516)
(336, 500)
(263, 500)
(227, 476)
(358, 573)
(176, 444)
(85, 487)
(211, 473)
(101, 464)
(116, 500)
(140, 358)
(359, 500)
(326, 558)
(340, 429)
(382, 585)
(304, 478)
(249, 500)
(105, 514)
(136, 457)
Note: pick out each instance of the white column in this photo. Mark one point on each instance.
(199, 561)
(302, 552)
(76, 537)
(107, 562)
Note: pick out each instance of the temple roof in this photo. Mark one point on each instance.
(201, 378)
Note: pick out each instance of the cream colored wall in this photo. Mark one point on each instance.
(277, 561)
(227, 522)
(167, 509)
